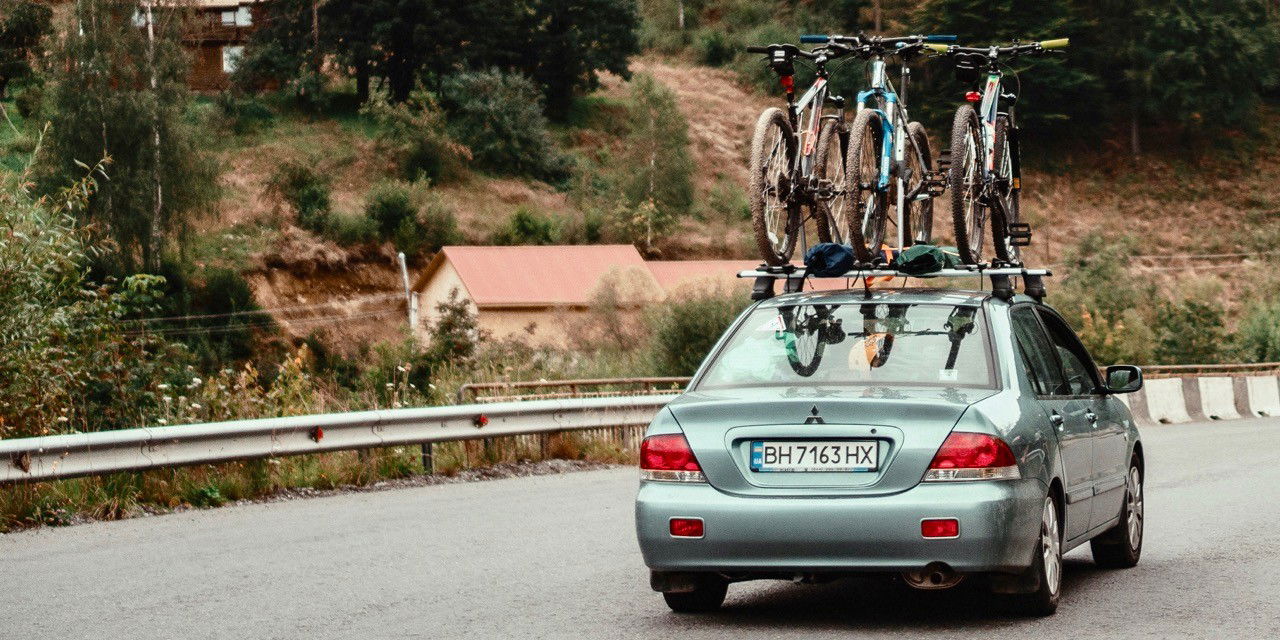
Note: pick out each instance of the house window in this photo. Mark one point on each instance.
(231, 58)
(244, 17)
(228, 18)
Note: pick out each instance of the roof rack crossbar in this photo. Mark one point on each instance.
(793, 278)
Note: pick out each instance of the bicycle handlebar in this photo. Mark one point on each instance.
(811, 38)
(1016, 49)
(789, 49)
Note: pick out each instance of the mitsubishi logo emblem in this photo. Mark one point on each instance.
(814, 418)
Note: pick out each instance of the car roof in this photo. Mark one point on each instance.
(901, 295)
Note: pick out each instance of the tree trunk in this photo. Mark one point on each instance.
(680, 14)
(362, 81)
(1135, 142)
(878, 14)
(152, 252)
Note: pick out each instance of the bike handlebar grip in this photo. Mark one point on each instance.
(940, 48)
(941, 38)
(814, 37)
(757, 49)
(1060, 43)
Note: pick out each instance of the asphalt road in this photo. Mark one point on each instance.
(555, 557)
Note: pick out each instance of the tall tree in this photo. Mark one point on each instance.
(23, 25)
(658, 185)
(575, 39)
(120, 93)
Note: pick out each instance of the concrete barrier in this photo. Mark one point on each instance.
(1165, 401)
(1217, 398)
(1264, 395)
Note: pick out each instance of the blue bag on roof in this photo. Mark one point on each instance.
(828, 260)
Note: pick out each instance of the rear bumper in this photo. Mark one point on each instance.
(999, 524)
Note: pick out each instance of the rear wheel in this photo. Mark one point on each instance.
(918, 228)
(964, 182)
(774, 215)
(1047, 564)
(869, 202)
(708, 595)
(1121, 546)
(832, 217)
(1009, 198)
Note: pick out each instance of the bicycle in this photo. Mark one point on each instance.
(888, 159)
(784, 148)
(984, 170)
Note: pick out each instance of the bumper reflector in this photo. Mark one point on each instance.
(940, 528)
(686, 527)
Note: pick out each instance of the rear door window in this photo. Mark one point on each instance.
(1039, 352)
(1081, 374)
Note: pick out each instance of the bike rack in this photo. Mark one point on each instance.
(1002, 285)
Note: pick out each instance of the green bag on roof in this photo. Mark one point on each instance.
(921, 259)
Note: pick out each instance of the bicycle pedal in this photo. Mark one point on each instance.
(935, 183)
(1019, 234)
(944, 160)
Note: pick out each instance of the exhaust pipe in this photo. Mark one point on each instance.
(935, 575)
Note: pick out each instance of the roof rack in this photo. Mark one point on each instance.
(793, 278)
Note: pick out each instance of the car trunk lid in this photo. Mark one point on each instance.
(908, 424)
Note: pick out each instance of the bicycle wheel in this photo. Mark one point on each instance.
(866, 218)
(832, 216)
(775, 217)
(965, 183)
(806, 324)
(1000, 220)
(918, 228)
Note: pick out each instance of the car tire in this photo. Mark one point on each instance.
(708, 595)
(1046, 566)
(1120, 547)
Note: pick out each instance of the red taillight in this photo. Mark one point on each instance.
(973, 456)
(669, 457)
(973, 96)
(788, 83)
(686, 527)
(940, 528)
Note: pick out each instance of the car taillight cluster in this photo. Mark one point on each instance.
(669, 458)
(973, 456)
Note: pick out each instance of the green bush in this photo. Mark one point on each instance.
(1192, 332)
(350, 229)
(714, 47)
(414, 133)
(244, 114)
(389, 205)
(1258, 338)
(684, 331)
(306, 190)
(527, 226)
(416, 220)
(498, 116)
(30, 101)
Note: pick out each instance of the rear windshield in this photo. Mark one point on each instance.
(873, 344)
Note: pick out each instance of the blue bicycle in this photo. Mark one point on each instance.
(888, 161)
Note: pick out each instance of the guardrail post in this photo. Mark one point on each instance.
(428, 459)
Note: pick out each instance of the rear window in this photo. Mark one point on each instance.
(873, 344)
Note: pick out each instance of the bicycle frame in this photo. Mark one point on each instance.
(893, 148)
(988, 111)
(814, 100)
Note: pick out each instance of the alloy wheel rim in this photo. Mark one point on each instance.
(1135, 508)
(1050, 547)
(839, 204)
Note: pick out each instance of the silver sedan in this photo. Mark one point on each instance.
(932, 436)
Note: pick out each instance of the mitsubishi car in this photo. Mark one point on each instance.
(932, 436)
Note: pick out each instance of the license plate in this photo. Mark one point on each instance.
(815, 456)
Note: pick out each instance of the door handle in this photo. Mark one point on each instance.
(1056, 419)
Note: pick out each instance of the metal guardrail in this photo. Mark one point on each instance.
(579, 388)
(84, 454)
(1172, 370)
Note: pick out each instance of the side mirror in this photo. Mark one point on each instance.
(1123, 378)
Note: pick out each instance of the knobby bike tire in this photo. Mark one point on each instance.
(831, 216)
(773, 253)
(918, 225)
(866, 219)
(1000, 220)
(966, 129)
